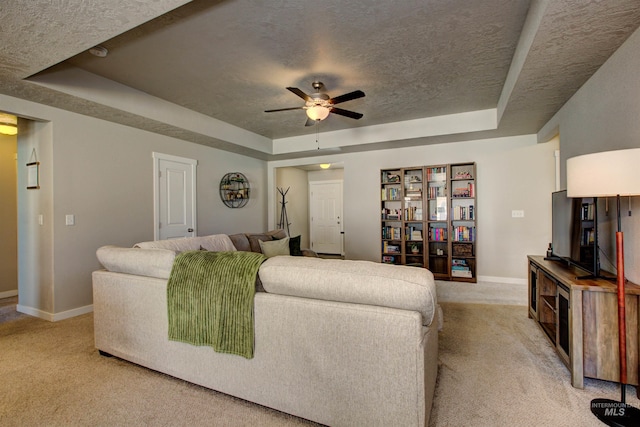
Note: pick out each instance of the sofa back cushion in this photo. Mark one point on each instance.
(250, 242)
(240, 241)
(360, 282)
(214, 242)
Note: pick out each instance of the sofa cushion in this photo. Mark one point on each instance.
(214, 242)
(360, 282)
(141, 262)
(255, 239)
(275, 247)
(240, 241)
(294, 246)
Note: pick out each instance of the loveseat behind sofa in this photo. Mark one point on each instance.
(342, 343)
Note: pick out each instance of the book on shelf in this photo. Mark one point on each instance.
(413, 194)
(390, 248)
(461, 213)
(459, 273)
(391, 214)
(437, 234)
(388, 259)
(460, 268)
(437, 174)
(413, 213)
(587, 212)
(463, 233)
(390, 194)
(436, 191)
(466, 191)
(412, 233)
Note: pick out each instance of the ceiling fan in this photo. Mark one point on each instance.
(318, 105)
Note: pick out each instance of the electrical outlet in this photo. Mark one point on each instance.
(70, 219)
(517, 214)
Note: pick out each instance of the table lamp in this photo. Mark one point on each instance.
(610, 174)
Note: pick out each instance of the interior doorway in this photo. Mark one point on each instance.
(325, 206)
(297, 179)
(175, 196)
(9, 216)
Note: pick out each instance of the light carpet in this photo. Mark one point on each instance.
(496, 369)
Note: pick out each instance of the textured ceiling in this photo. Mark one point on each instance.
(232, 59)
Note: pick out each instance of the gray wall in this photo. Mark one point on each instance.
(102, 173)
(513, 173)
(605, 115)
(297, 198)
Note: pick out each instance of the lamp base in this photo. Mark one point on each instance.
(615, 413)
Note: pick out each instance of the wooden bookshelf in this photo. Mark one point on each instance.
(428, 219)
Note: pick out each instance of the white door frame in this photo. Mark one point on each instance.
(328, 181)
(157, 157)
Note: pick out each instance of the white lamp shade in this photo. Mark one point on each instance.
(604, 174)
(317, 112)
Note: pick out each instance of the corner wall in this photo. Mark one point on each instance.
(603, 115)
(101, 172)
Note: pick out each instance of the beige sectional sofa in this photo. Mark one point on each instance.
(342, 343)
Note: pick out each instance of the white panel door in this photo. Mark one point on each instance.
(326, 216)
(175, 204)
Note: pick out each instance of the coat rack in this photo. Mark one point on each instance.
(284, 220)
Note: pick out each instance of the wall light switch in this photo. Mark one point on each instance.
(70, 220)
(40, 219)
(517, 214)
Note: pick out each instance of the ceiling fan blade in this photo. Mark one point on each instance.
(300, 93)
(310, 122)
(347, 97)
(346, 113)
(283, 109)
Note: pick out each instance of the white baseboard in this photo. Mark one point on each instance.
(9, 294)
(54, 317)
(484, 292)
(510, 280)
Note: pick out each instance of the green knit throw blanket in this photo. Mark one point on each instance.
(210, 300)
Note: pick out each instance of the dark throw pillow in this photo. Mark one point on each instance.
(294, 246)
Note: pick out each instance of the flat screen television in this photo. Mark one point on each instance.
(574, 231)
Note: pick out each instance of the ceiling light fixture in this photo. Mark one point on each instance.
(325, 165)
(317, 112)
(8, 124)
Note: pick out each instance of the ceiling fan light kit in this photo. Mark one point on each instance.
(317, 112)
(318, 105)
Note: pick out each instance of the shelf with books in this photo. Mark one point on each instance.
(463, 223)
(402, 219)
(428, 219)
(462, 268)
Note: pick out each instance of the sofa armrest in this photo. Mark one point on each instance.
(142, 262)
